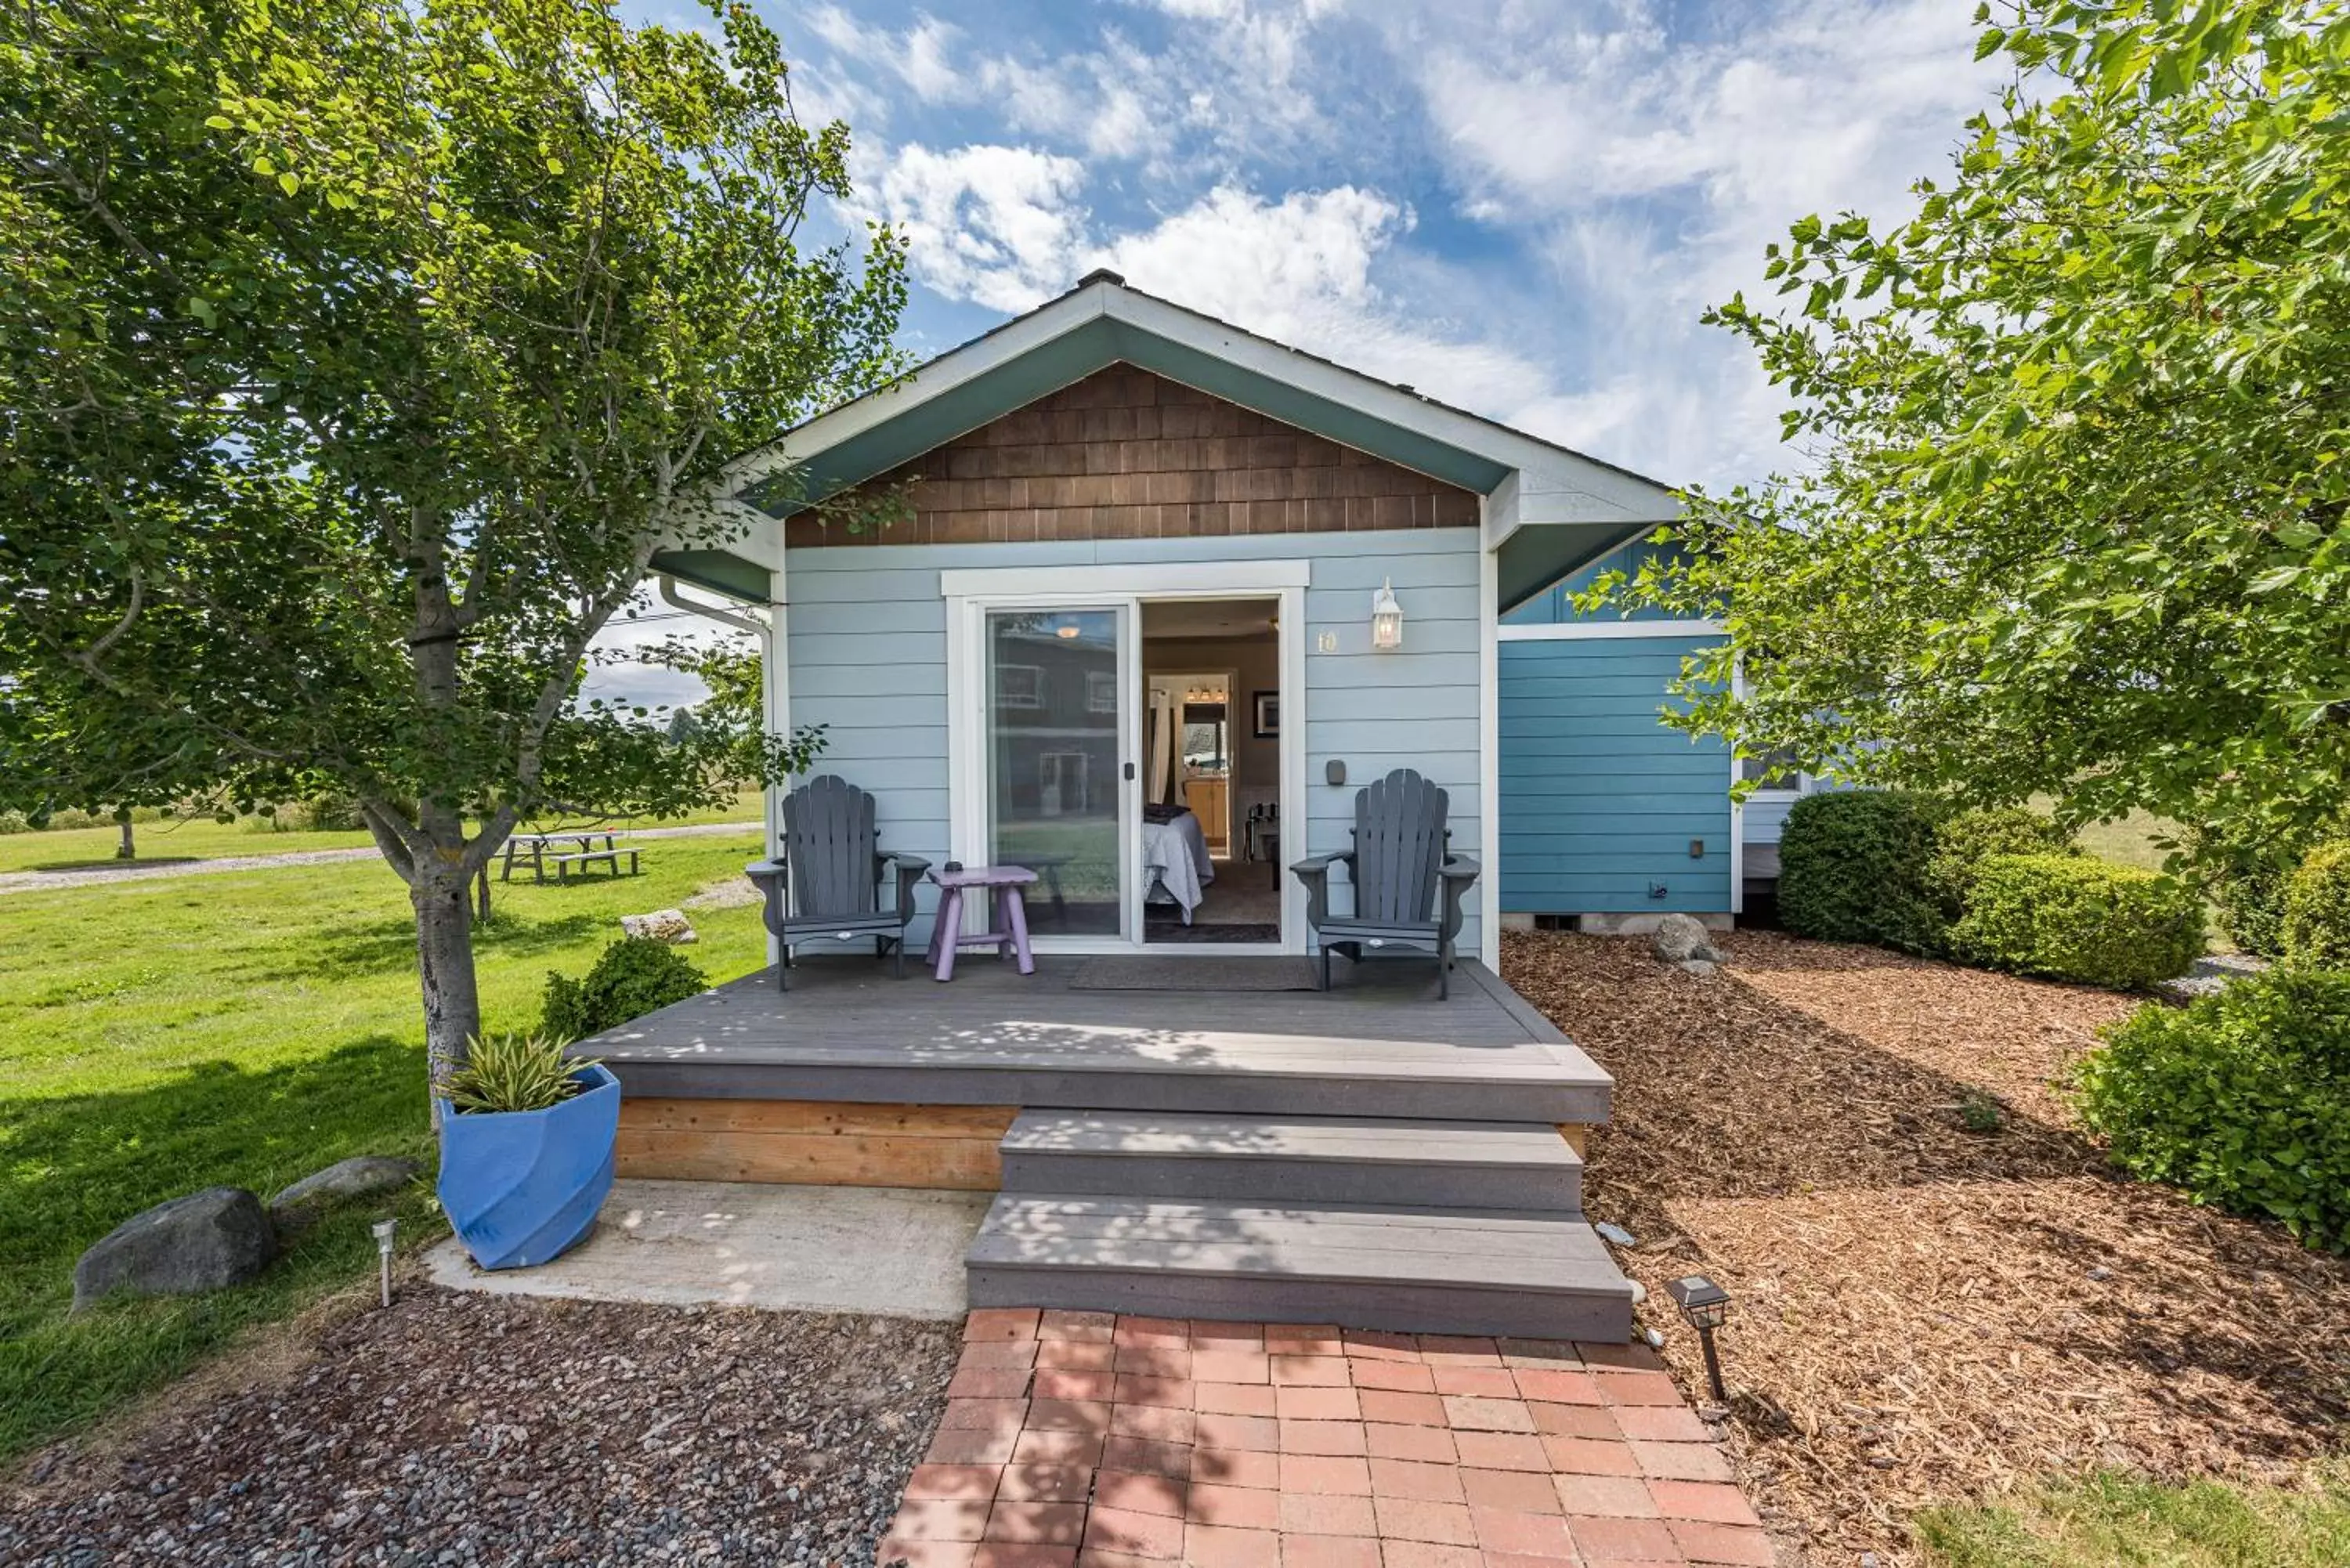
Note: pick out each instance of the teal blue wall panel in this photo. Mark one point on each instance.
(1550, 607)
(1600, 800)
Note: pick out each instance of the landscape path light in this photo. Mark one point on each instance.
(383, 1230)
(1706, 1306)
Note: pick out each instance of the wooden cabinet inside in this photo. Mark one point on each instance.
(1206, 795)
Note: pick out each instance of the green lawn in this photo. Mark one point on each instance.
(202, 838)
(160, 1037)
(2124, 1522)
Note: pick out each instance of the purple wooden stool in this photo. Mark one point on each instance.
(948, 935)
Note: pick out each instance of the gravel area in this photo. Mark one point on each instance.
(1923, 1310)
(463, 1430)
(137, 871)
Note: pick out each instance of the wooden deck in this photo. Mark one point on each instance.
(1372, 1156)
(845, 1031)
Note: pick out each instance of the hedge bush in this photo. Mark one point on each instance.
(2248, 873)
(629, 979)
(1964, 840)
(2070, 916)
(2241, 1097)
(2314, 931)
(1853, 868)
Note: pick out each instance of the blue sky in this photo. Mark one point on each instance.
(1519, 206)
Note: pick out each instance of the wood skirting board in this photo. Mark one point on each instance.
(820, 1143)
(830, 1143)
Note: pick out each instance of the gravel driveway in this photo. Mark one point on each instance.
(462, 1429)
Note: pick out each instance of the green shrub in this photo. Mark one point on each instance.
(2070, 916)
(2315, 929)
(2248, 874)
(631, 978)
(1966, 838)
(2241, 1097)
(1853, 868)
(514, 1073)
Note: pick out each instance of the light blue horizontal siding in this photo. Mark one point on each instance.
(1600, 797)
(868, 649)
(1766, 815)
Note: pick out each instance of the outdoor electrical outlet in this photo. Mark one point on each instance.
(1697, 849)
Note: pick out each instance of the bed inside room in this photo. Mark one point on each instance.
(1212, 784)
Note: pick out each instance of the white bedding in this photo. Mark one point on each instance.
(1175, 861)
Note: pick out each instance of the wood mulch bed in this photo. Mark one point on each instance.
(1921, 1313)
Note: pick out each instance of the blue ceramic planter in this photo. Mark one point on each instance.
(523, 1186)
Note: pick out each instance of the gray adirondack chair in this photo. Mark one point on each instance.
(845, 886)
(1407, 886)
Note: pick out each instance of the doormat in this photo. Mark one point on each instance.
(1148, 971)
(1157, 931)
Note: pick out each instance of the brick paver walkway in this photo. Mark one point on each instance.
(1077, 1438)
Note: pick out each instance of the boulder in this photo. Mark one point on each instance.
(302, 1205)
(207, 1241)
(1679, 939)
(668, 926)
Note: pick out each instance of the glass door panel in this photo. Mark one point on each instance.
(1055, 692)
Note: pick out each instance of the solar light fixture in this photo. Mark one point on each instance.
(383, 1230)
(1706, 1306)
(1386, 618)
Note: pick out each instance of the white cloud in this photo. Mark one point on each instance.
(1299, 271)
(1002, 227)
(1585, 177)
(996, 225)
(916, 56)
(1095, 100)
(1651, 171)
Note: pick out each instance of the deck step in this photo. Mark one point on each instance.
(1306, 1159)
(1412, 1270)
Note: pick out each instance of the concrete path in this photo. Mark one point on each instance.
(887, 1251)
(36, 881)
(1080, 1440)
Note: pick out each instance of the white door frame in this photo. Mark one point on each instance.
(970, 594)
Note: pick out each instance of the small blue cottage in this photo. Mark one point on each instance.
(1143, 599)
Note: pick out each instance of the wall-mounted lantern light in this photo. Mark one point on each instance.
(1387, 619)
(1706, 1306)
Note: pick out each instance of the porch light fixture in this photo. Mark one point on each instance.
(383, 1230)
(1706, 1306)
(1386, 618)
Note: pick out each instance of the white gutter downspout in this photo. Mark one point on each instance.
(774, 679)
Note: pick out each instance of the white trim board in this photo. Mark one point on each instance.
(1598, 631)
(1166, 579)
(1489, 760)
(970, 594)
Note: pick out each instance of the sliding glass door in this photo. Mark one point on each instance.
(1056, 693)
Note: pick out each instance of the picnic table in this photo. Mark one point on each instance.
(534, 846)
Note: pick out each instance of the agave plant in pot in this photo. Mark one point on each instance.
(526, 1137)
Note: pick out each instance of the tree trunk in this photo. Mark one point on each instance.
(445, 963)
(126, 850)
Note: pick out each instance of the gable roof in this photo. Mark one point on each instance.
(1545, 505)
